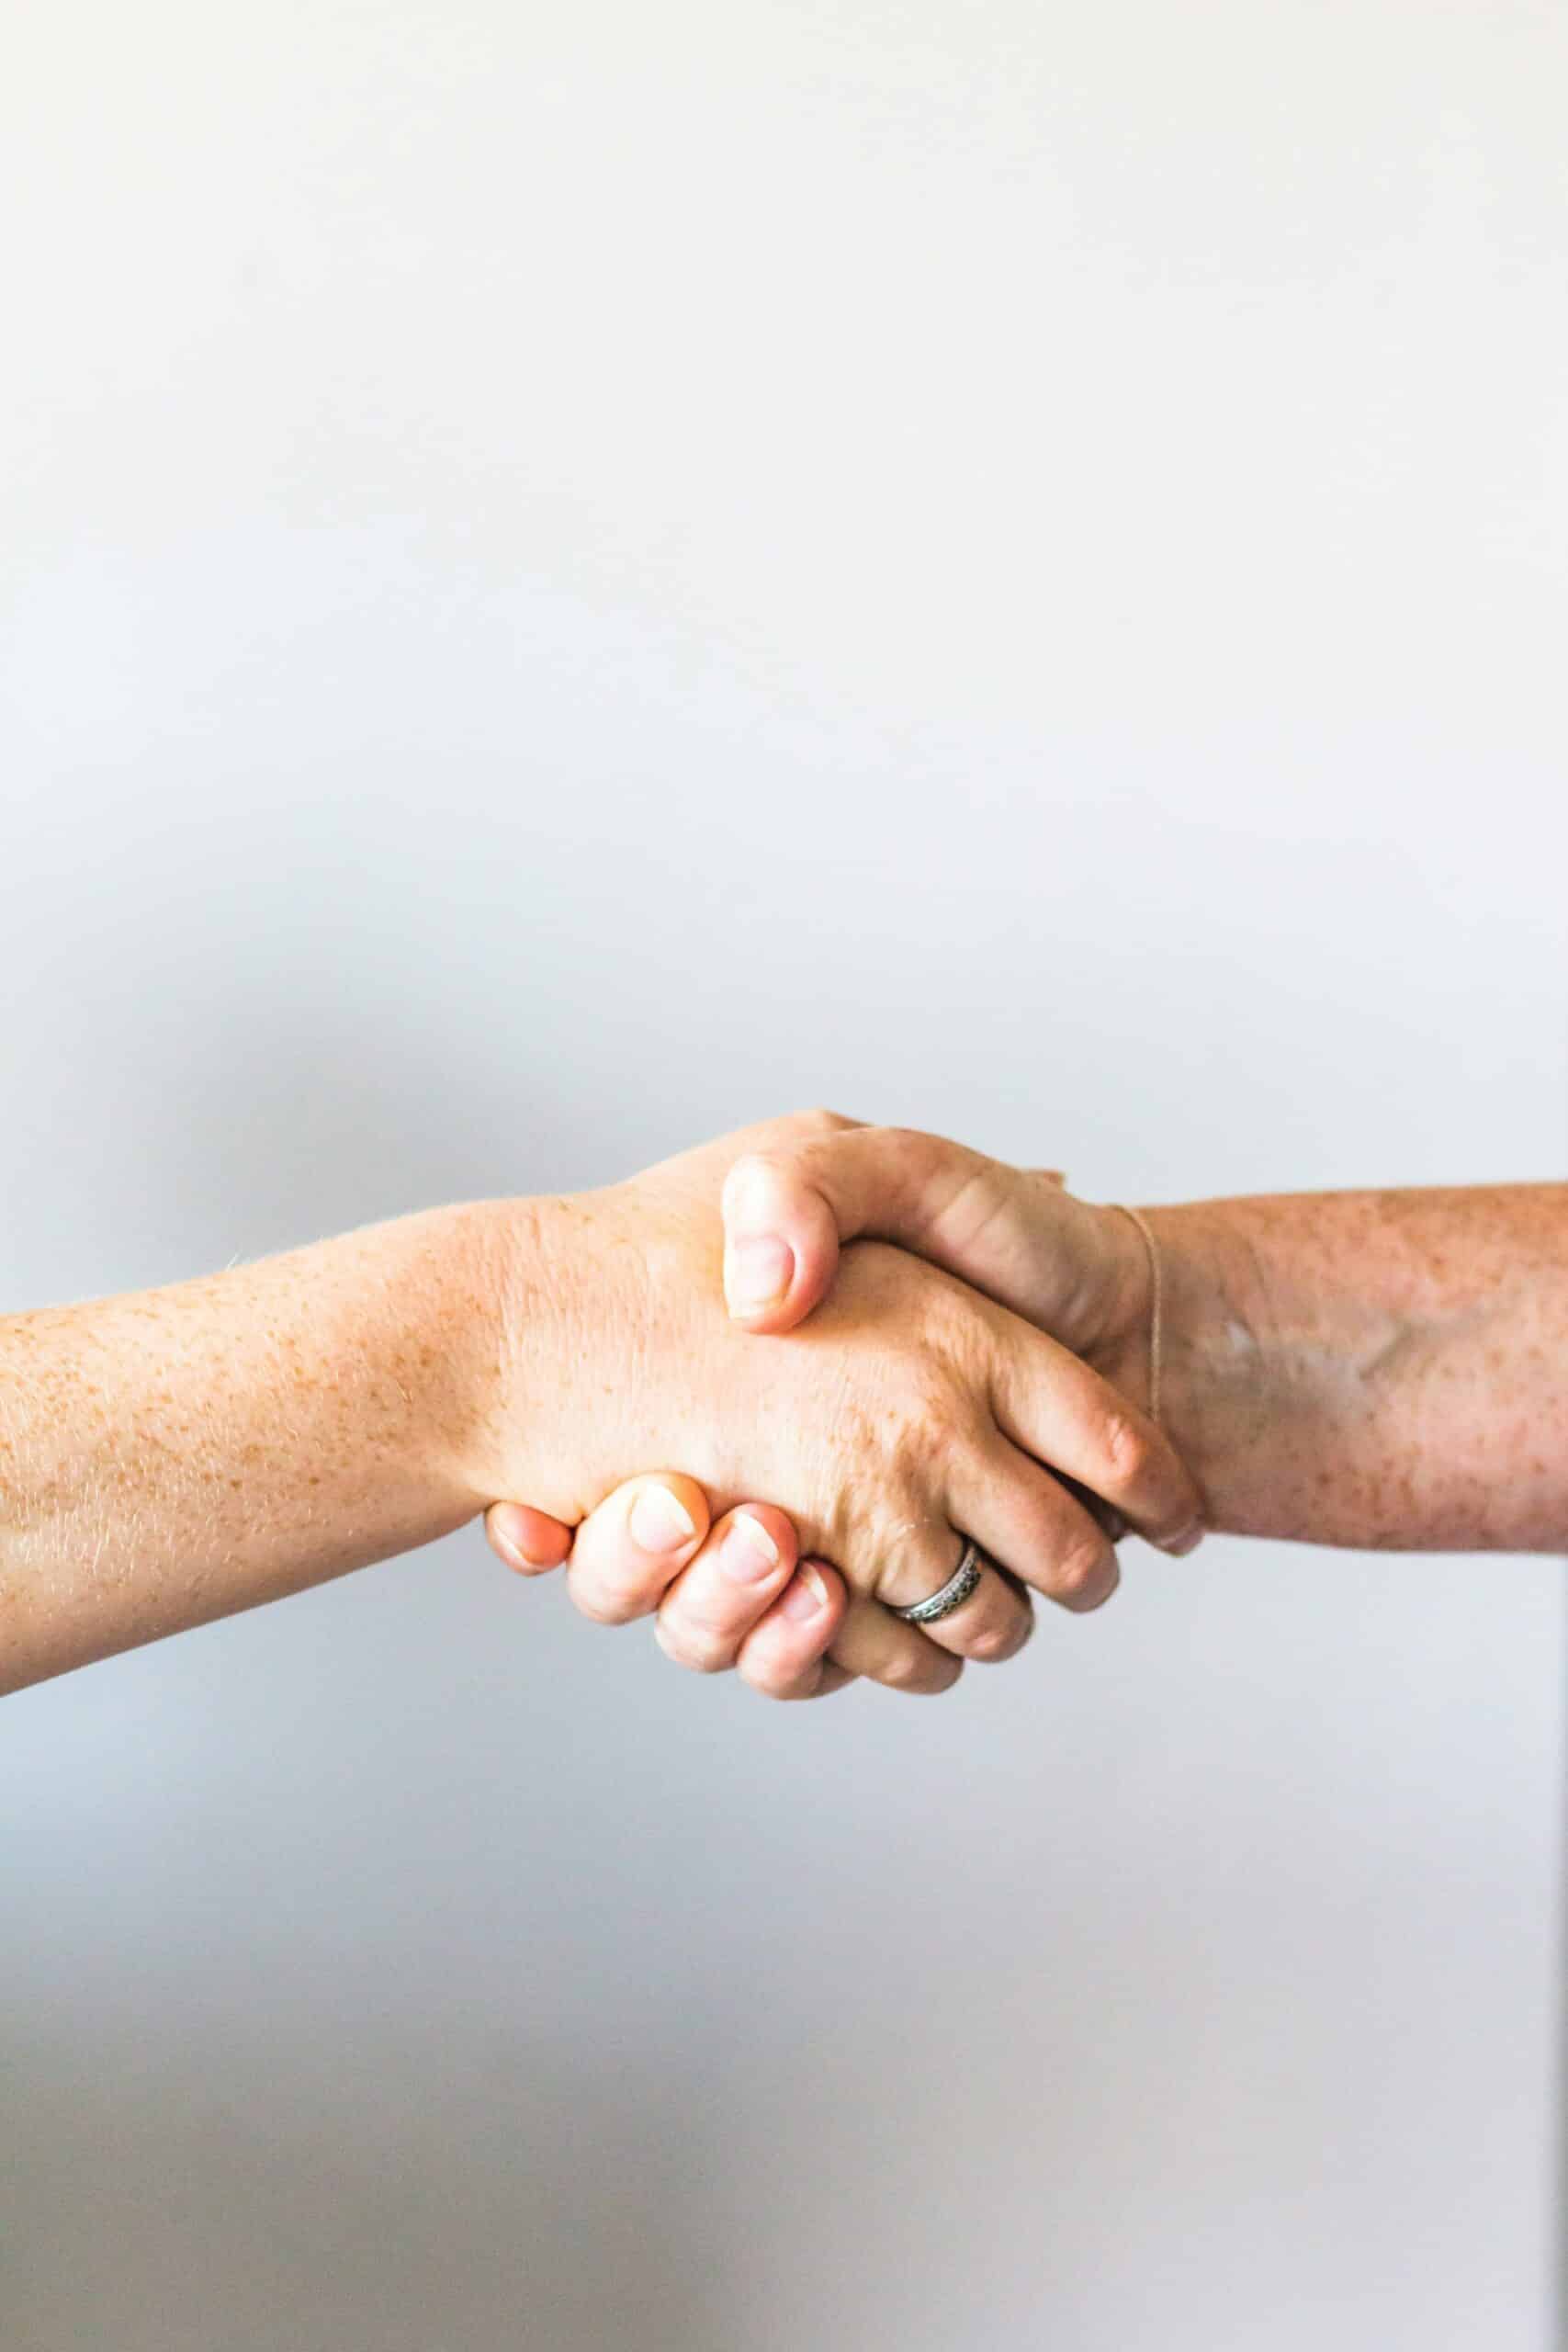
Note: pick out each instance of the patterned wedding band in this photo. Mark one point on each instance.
(954, 1592)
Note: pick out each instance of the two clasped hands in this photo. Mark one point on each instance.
(981, 1383)
(774, 1391)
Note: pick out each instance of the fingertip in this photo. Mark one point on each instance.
(666, 1514)
(779, 1526)
(759, 1276)
(816, 1591)
(780, 1245)
(830, 1582)
(813, 1262)
(630, 1551)
(814, 1243)
(782, 1655)
(526, 1541)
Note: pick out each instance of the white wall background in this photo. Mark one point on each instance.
(570, 577)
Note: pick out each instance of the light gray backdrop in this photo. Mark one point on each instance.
(573, 576)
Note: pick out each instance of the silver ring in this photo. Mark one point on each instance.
(954, 1592)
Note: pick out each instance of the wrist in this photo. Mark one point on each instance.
(1121, 1331)
(498, 1254)
(1210, 1359)
(1213, 1364)
(562, 1291)
(484, 1321)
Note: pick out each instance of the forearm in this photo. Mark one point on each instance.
(1380, 1369)
(169, 1457)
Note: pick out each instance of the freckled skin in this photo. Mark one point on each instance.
(1369, 1369)
(169, 1458)
(1379, 1368)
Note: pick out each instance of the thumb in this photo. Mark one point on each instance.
(780, 1243)
(788, 1212)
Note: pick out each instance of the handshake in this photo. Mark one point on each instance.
(955, 1385)
(939, 1369)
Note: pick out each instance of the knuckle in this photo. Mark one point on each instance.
(698, 1650)
(604, 1607)
(991, 1644)
(1128, 1449)
(930, 1411)
(767, 1678)
(919, 1676)
(744, 1173)
(1084, 1573)
(917, 1442)
(916, 1152)
(1097, 1599)
(818, 1122)
(795, 1130)
(705, 1656)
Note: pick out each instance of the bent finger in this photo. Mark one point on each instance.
(784, 1655)
(1051, 1405)
(993, 1621)
(529, 1542)
(874, 1643)
(712, 1605)
(631, 1549)
(1024, 1518)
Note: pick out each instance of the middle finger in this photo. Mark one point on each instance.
(733, 1582)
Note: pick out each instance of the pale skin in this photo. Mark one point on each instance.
(171, 1457)
(1375, 1369)
(1384, 1369)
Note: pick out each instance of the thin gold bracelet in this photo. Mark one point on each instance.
(1156, 1305)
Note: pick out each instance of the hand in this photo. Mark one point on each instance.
(908, 1413)
(1076, 1270)
(733, 1595)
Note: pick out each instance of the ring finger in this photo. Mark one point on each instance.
(992, 1622)
(873, 1643)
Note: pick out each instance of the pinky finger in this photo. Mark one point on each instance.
(529, 1541)
(784, 1655)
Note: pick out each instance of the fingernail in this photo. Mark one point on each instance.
(658, 1522)
(503, 1533)
(748, 1553)
(757, 1273)
(805, 1595)
(1188, 1540)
